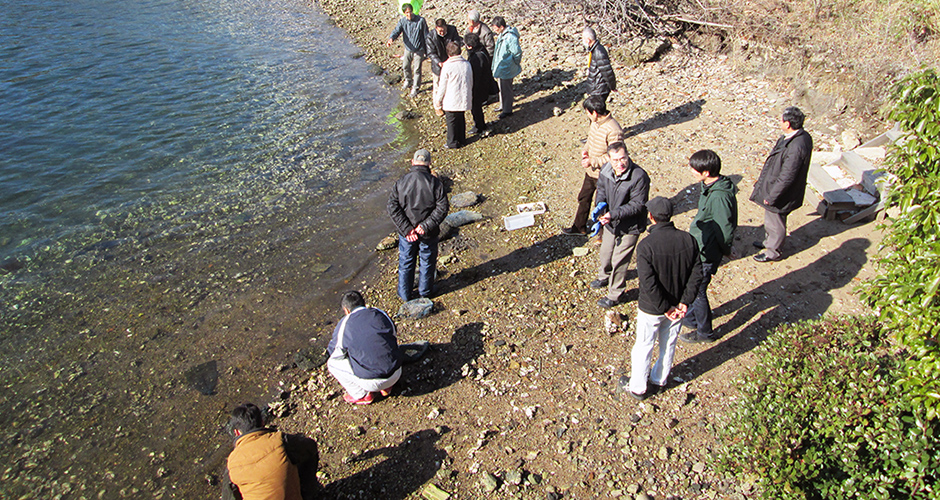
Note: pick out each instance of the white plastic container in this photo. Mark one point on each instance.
(531, 208)
(518, 221)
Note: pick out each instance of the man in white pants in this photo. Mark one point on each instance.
(670, 270)
(364, 354)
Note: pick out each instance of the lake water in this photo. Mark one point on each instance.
(183, 185)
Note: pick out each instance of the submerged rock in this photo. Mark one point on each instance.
(310, 358)
(204, 378)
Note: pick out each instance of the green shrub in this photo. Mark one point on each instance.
(905, 293)
(822, 417)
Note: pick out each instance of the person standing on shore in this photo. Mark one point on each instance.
(604, 131)
(713, 229)
(453, 95)
(483, 83)
(480, 29)
(414, 31)
(624, 187)
(601, 79)
(669, 268)
(417, 205)
(782, 182)
(507, 63)
(364, 354)
(437, 46)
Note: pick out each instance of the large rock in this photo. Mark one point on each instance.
(464, 200)
(417, 308)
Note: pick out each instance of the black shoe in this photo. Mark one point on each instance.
(473, 131)
(598, 285)
(571, 230)
(695, 338)
(758, 244)
(762, 257)
(623, 385)
(607, 303)
(504, 115)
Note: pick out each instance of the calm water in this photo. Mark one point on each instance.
(182, 184)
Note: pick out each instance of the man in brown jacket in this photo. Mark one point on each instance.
(264, 464)
(604, 131)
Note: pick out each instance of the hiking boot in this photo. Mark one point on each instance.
(607, 303)
(598, 284)
(695, 338)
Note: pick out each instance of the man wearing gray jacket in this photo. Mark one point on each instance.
(414, 31)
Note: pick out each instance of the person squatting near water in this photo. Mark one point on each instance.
(268, 464)
(417, 204)
(364, 354)
(669, 269)
(413, 31)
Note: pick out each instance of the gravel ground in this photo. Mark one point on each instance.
(517, 397)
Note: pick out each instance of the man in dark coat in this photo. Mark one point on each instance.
(782, 182)
(601, 78)
(670, 270)
(436, 45)
(417, 205)
(483, 82)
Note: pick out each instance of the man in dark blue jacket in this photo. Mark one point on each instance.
(670, 270)
(624, 187)
(364, 354)
(782, 182)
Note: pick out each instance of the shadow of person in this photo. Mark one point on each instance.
(679, 114)
(442, 364)
(548, 250)
(801, 239)
(405, 468)
(532, 112)
(799, 295)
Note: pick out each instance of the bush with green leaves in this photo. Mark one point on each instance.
(821, 416)
(906, 293)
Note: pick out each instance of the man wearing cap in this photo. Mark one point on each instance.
(782, 182)
(414, 31)
(624, 187)
(669, 269)
(417, 205)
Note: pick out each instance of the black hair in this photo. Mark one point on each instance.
(406, 7)
(617, 146)
(706, 160)
(596, 104)
(352, 300)
(794, 117)
(499, 22)
(246, 418)
(471, 40)
(440, 23)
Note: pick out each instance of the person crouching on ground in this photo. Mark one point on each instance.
(364, 355)
(670, 270)
(267, 463)
(453, 95)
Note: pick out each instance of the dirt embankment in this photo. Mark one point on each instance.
(517, 397)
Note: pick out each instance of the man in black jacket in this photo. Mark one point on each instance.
(436, 45)
(624, 187)
(364, 354)
(601, 78)
(670, 270)
(417, 205)
(782, 182)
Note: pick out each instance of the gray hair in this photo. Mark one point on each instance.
(589, 33)
(474, 15)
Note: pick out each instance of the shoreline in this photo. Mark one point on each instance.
(516, 397)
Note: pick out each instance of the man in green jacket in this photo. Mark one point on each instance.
(713, 229)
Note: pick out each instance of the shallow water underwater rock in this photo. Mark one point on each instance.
(204, 378)
(417, 308)
(389, 242)
(310, 358)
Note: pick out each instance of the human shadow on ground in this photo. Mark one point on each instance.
(799, 295)
(442, 364)
(529, 113)
(679, 114)
(406, 467)
(538, 254)
(802, 238)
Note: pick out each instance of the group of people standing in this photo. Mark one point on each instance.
(674, 267)
(494, 58)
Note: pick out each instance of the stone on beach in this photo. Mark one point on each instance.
(417, 308)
